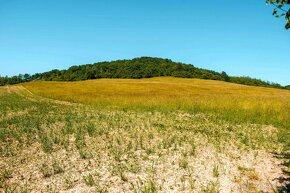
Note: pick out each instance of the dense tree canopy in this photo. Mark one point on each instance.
(280, 10)
(15, 79)
(144, 67)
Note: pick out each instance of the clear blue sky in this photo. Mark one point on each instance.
(239, 37)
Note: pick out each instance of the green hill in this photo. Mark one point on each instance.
(144, 67)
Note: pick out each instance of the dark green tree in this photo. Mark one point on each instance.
(225, 76)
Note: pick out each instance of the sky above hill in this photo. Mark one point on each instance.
(239, 37)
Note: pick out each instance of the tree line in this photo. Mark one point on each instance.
(15, 79)
(144, 67)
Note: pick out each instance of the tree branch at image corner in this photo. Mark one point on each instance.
(279, 7)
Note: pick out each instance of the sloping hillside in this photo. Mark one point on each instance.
(231, 101)
(144, 67)
(145, 135)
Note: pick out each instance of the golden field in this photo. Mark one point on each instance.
(231, 101)
(143, 136)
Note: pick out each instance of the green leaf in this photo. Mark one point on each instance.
(288, 13)
(281, 15)
(275, 11)
(287, 26)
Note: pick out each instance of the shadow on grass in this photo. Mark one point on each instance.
(285, 179)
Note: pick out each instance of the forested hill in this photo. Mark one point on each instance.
(144, 67)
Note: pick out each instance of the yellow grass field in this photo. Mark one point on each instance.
(144, 136)
(232, 101)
